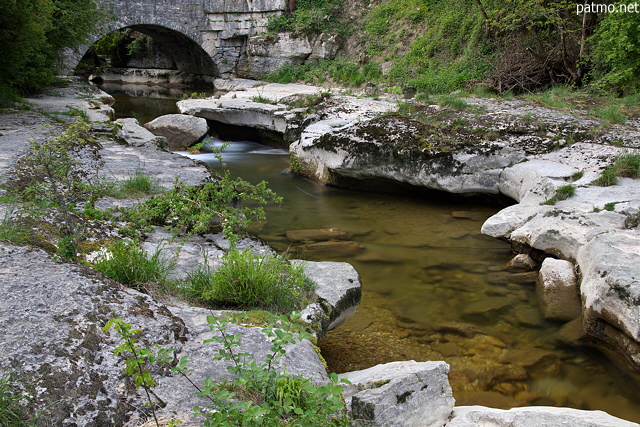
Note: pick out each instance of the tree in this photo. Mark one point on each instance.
(616, 53)
(32, 34)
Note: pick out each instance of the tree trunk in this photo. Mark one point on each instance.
(291, 6)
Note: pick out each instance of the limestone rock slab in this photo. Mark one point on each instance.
(610, 290)
(479, 416)
(400, 394)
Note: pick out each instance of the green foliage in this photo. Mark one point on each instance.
(310, 17)
(562, 193)
(125, 262)
(191, 209)
(194, 95)
(32, 34)
(627, 165)
(11, 231)
(341, 71)
(611, 111)
(616, 52)
(453, 102)
(263, 100)
(139, 360)
(258, 394)
(248, 281)
(11, 412)
(449, 51)
(557, 97)
(137, 186)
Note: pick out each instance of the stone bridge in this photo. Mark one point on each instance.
(204, 37)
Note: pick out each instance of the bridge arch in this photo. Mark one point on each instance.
(220, 28)
(186, 55)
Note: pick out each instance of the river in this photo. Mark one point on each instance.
(434, 288)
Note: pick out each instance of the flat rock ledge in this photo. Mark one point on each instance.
(513, 148)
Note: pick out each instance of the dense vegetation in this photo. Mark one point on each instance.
(32, 34)
(437, 47)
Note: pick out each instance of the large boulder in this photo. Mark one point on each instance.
(181, 131)
(400, 394)
(137, 136)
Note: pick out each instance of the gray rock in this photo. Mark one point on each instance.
(558, 291)
(137, 136)
(400, 394)
(181, 131)
(611, 291)
(339, 290)
(478, 416)
(51, 318)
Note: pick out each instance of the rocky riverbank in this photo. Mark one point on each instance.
(54, 310)
(481, 146)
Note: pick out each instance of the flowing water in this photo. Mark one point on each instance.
(434, 288)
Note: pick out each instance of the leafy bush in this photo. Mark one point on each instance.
(60, 175)
(616, 53)
(34, 32)
(249, 281)
(125, 262)
(191, 209)
(341, 71)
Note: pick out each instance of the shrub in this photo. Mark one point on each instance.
(616, 53)
(249, 281)
(128, 264)
(258, 394)
(58, 176)
(191, 209)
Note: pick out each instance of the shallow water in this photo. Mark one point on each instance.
(434, 288)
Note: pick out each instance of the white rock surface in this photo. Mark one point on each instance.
(558, 290)
(537, 416)
(400, 394)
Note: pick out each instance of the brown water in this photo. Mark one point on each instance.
(434, 288)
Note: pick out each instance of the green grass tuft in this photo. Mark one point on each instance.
(627, 165)
(130, 265)
(249, 281)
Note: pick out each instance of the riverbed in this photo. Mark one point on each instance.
(434, 288)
